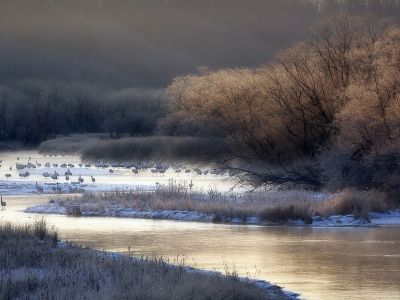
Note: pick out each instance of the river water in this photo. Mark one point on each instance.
(318, 263)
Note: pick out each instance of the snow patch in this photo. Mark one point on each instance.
(376, 219)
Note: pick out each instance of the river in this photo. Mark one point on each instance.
(318, 263)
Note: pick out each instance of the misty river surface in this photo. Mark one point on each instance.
(319, 263)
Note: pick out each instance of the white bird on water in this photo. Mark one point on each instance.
(3, 204)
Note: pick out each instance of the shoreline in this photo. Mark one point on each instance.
(109, 275)
(391, 218)
(272, 289)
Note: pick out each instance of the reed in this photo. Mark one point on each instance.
(352, 201)
(269, 206)
(33, 266)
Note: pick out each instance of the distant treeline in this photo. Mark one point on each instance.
(32, 111)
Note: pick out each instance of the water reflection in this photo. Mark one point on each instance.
(320, 263)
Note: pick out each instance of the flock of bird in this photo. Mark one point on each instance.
(136, 167)
(155, 167)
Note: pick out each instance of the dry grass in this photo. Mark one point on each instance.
(352, 201)
(278, 206)
(33, 266)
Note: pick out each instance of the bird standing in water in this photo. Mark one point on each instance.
(3, 203)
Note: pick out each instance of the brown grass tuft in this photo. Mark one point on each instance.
(352, 201)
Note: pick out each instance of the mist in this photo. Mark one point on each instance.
(123, 43)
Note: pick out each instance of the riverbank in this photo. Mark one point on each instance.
(34, 264)
(375, 219)
(294, 208)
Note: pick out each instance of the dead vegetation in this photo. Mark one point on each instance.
(325, 111)
(34, 266)
(268, 206)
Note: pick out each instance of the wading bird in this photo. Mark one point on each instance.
(191, 184)
(3, 204)
(39, 188)
(54, 176)
(80, 179)
(93, 179)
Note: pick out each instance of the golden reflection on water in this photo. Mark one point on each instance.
(319, 263)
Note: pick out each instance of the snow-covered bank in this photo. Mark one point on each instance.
(376, 219)
(273, 290)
